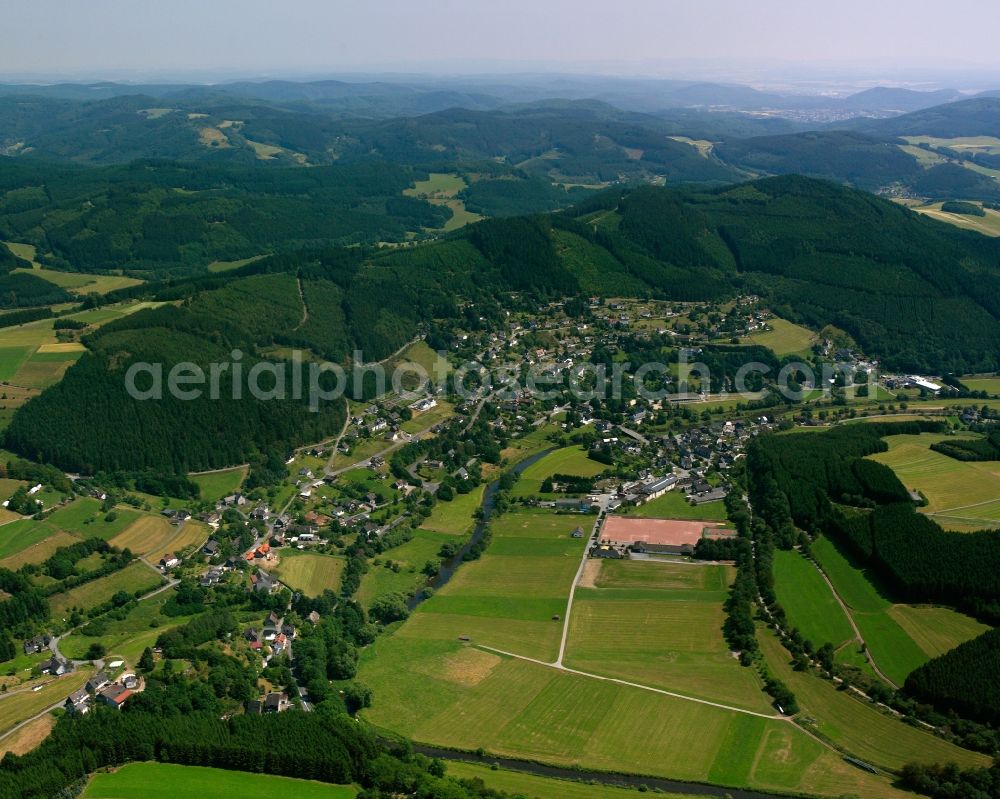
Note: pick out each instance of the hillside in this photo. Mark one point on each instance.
(854, 158)
(979, 116)
(915, 293)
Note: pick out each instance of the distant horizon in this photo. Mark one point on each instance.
(811, 81)
(772, 42)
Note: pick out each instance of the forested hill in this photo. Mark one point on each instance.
(918, 294)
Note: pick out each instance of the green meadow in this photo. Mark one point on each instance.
(808, 601)
(856, 725)
(662, 635)
(170, 781)
(436, 680)
(900, 638)
(961, 495)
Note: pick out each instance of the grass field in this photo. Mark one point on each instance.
(784, 337)
(422, 356)
(21, 534)
(74, 282)
(660, 624)
(85, 518)
(422, 421)
(899, 638)
(227, 266)
(988, 225)
(568, 460)
(215, 485)
(136, 577)
(310, 573)
(126, 638)
(430, 686)
(856, 725)
(170, 781)
(408, 559)
(184, 538)
(441, 188)
(28, 737)
(989, 384)
(455, 517)
(37, 552)
(507, 599)
(439, 185)
(808, 601)
(439, 692)
(17, 706)
(960, 495)
(674, 505)
(529, 785)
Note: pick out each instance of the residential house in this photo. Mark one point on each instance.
(56, 666)
(114, 696)
(37, 644)
(78, 702)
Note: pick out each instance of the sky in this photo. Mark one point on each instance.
(144, 38)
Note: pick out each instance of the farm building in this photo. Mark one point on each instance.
(665, 536)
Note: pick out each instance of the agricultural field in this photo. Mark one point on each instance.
(171, 781)
(568, 460)
(988, 225)
(46, 366)
(521, 784)
(645, 630)
(441, 692)
(455, 517)
(784, 337)
(145, 535)
(74, 282)
(442, 188)
(28, 737)
(20, 705)
(808, 601)
(186, 537)
(899, 638)
(135, 578)
(438, 689)
(37, 552)
(22, 534)
(12, 398)
(960, 495)
(308, 572)
(856, 725)
(674, 505)
(84, 517)
(508, 598)
(216, 485)
(990, 385)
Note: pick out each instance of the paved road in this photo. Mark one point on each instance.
(572, 592)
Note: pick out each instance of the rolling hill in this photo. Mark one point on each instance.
(916, 293)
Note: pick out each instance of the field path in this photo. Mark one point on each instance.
(857, 633)
(640, 686)
(572, 592)
(305, 308)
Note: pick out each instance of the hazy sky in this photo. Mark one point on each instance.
(108, 37)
